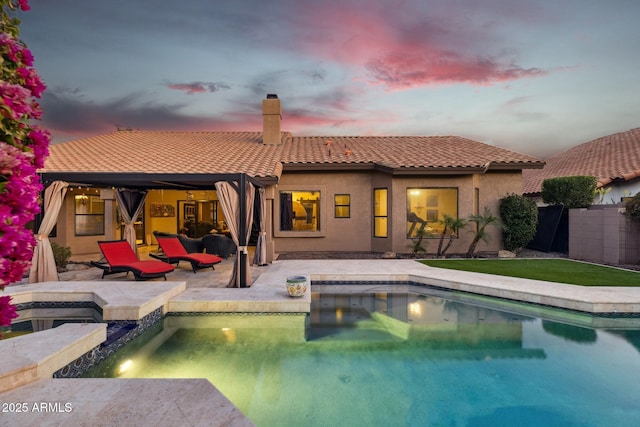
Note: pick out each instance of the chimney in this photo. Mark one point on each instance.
(271, 117)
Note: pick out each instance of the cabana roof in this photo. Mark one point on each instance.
(153, 160)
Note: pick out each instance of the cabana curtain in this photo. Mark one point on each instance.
(260, 257)
(43, 264)
(130, 203)
(230, 201)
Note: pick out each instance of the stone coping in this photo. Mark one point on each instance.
(121, 402)
(589, 299)
(37, 356)
(268, 294)
(118, 300)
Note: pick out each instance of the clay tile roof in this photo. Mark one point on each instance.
(234, 152)
(398, 152)
(609, 158)
(167, 152)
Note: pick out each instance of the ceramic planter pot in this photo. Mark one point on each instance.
(296, 285)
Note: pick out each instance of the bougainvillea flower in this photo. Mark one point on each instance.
(7, 311)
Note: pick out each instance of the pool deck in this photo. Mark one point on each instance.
(29, 361)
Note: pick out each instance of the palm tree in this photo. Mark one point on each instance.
(416, 246)
(481, 221)
(451, 227)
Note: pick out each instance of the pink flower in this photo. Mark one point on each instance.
(7, 311)
(40, 145)
(16, 99)
(16, 250)
(27, 57)
(10, 47)
(31, 81)
(8, 158)
(24, 5)
(23, 149)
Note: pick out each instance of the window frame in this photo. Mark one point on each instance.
(337, 205)
(378, 216)
(433, 209)
(91, 199)
(323, 206)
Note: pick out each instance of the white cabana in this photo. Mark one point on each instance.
(236, 199)
(43, 264)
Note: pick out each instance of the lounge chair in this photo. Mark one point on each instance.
(191, 245)
(174, 252)
(120, 258)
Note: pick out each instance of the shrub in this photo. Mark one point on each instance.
(632, 206)
(61, 254)
(519, 217)
(569, 191)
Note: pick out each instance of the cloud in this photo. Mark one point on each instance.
(406, 44)
(68, 114)
(302, 121)
(198, 87)
(518, 108)
(402, 70)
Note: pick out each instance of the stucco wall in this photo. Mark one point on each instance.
(336, 234)
(65, 227)
(355, 233)
(491, 188)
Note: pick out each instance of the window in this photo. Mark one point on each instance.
(89, 215)
(380, 213)
(342, 205)
(300, 211)
(426, 208)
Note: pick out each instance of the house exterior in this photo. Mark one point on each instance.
(614, 160)
(349, 193)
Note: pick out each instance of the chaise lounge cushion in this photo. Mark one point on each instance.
(190, 244)
(174, 252)
(121, 259)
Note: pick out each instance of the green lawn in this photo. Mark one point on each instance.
(551, 270)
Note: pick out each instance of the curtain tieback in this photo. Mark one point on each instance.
(243, 249)
(263, 233)
(40, 237)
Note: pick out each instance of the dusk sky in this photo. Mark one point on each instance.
(534, 76)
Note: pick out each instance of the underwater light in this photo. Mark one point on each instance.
(124, 366)
(229, 334)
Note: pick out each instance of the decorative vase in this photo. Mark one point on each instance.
(296, 285)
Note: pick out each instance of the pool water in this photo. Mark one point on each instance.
(43, 317)
(403, 356)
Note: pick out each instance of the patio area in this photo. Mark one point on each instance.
(80, 270)
(118, 403)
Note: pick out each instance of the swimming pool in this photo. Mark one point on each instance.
(403, 355)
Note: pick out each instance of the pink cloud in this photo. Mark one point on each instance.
(404, 70)
(197, 87)
(401, 47)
